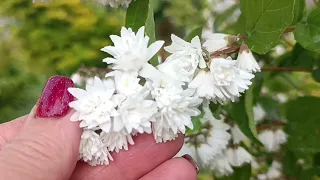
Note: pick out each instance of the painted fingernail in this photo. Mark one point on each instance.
(191, 160)
(55, 98)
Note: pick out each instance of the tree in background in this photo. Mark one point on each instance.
(45, 39)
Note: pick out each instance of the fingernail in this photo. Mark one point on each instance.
(55, 98)
(191, 160)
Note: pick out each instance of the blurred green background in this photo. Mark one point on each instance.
(44, 39)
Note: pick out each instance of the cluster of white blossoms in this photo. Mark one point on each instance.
(217, 146)
(137, 97)
(273, 138)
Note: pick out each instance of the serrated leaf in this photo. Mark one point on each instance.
(265, 22)
(239, 114)
(304, 124)
(194, 33)
(308, 33)
(150, 31)
(137, 14)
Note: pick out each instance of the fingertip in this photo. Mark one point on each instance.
(177, 168)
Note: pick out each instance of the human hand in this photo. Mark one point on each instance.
(45, 143)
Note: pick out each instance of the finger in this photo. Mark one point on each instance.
(177, 168)
(140, 159)
(47, 145)
(10, 129)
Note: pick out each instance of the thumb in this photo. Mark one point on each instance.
(48, 144)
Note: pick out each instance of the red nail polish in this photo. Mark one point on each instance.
(55, 98)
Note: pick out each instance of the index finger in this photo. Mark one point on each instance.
(140, 159)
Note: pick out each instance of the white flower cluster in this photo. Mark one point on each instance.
(272, 139)
(212, 150)
(137, 97)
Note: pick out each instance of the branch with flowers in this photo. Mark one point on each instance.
(135, 95)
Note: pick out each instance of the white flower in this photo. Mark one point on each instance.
(77, 79)
(115, 3)
(246, 61)
(115, 141)
(189, 149)
(205, 154)
(136, 113)
(238, 156)
(274, 172)
(223, 81)
(221, 165)
(280, 136)
(176, 107)
(92, 149)
(216, 141)
(258, 113)
(130, 51)
(216, 42)
(127, 83)
(272, 140)
(237, 135)
(94, 106)
(283, 98)
(180, 47)
(179, 67)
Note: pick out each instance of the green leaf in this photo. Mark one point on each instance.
(308, 33)
(265, 22)
(194, 33)
(197, 125)
(239, 114)
(150, 31)
(304, 125)
(299, 58)
(216, 110)
(258, 82)
(271, 107)
(137, 14)
(290, 166)
(248, 102)
(316, 74)
(311, 174)
(240, 173)
(299, 9)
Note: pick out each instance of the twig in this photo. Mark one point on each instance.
(288, 30)
(271, 126)
(280, 69)
(228, 51)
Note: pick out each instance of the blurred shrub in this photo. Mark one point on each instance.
(40, 40)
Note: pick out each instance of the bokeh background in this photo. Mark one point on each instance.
(64, 37)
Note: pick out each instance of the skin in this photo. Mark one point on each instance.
(38, 148)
